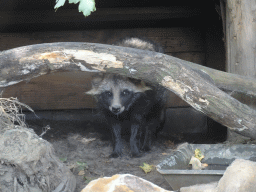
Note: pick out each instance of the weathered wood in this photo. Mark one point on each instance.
(55, 92)
(241, 37)
(194, 57)
(173, 40)
(193, 86)
(230, 82)
(102, 14)
(63, 90)
(240, 43)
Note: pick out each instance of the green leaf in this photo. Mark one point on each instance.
(82, 165)
(146, 167)
(85, 6)
(59, 3)
(79, 163)
(63, 159)
(198, 154)
(73, 1)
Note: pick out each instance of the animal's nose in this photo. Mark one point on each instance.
(115, 109)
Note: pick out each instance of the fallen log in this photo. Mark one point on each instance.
(230, 82)
(195, 86)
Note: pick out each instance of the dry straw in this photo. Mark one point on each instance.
(11, 113)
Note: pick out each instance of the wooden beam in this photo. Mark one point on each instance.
(102, 14)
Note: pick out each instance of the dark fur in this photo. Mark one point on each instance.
(139, 110)
(140, 43)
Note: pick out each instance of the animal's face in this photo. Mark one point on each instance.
(116, 93)
(117, 100)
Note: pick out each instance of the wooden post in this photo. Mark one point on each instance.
(241, 37)
(241, 46)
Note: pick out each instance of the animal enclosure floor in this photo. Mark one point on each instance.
(83, 150)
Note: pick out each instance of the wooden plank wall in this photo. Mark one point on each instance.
(65, 90)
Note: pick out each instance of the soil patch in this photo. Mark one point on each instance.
(85, 150)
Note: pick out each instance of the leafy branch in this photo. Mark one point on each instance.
(85, 6)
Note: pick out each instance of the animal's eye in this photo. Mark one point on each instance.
(108, 93)
(125, 92)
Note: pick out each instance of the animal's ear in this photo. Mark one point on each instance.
(143, 87)
(96, 81)
(140, 85)
(134, 81)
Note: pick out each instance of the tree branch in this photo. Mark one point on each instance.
(191, 84)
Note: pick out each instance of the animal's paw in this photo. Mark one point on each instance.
(136, 155)
(115, 155)
(135, 152)
(145, 148)
(117, 152)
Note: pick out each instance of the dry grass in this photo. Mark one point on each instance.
(11, 113)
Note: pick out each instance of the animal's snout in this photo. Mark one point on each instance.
(116, 109)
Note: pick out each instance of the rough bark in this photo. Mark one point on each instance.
(229, 82)
(241, 38)
(192, 85)
(240, 44)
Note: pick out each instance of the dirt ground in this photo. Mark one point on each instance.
(85, 150)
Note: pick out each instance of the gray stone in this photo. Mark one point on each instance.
(240, 176)
(209, 187)
(28, 163)
(122, 183)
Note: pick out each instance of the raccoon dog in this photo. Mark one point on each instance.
(131, 106)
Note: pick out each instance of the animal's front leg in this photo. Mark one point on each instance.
(135, 140)
(149, 131)
(117, 141)
(147, 138)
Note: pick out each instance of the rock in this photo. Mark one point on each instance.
(122, 183)
(28, 163)
(240, 176)
(209, 187)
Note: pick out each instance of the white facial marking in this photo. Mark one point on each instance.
(116, 102)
